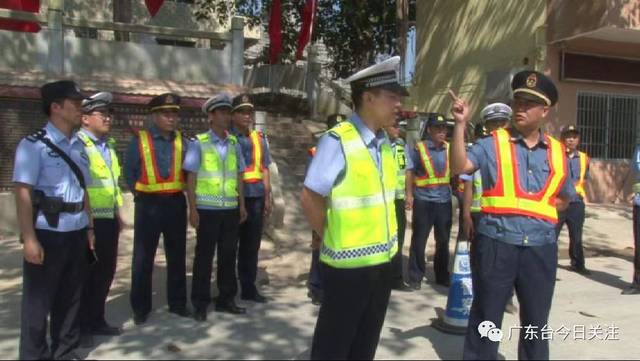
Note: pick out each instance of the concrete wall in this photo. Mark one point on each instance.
(85, 57)
(568, 18)
(460, 42)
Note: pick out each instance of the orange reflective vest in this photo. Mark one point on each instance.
(150, 180)
(584, 165)
(431, 178)
(253, 171)
(508, 198)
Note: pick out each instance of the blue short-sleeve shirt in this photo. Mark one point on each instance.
(38, 166)
(328, 165)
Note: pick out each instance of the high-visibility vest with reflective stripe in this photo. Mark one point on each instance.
(584, 164)
(476, 206)
(361, 228)
(508, 198)
(150, 180)
(217, 182)
(253, 171)
(431, 178)
(104, 193)
(401, 162)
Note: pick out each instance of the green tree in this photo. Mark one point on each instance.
(354, 31)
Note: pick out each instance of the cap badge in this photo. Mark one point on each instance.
(169, 99)
(245, 99)
(532, 80)
(440, 118)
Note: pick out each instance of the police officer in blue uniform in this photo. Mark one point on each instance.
(50, 177)
(257, 193)
(574, 215)
(217, 226)
(96, 124)
(516, 240)
(431, 204)
(355, 299)
(157, 181)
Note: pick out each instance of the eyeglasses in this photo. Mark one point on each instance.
(103, 115)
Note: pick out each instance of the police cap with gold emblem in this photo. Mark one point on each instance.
(242, 101)
(570, 129)
(165, 102)
(383, 75)
(534, 86)
(435, 119)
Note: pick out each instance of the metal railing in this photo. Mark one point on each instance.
(608, 124)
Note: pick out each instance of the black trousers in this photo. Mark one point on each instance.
(217, 229)
(352, 312)
(156, 215)
(500, 267)
(401, 219)
(101, 274)
(636, 236)
(315, 277)
(573, 216)
(249, 246)
(428, 215)
(53, 289)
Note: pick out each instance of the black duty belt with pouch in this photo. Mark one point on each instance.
(51, 207)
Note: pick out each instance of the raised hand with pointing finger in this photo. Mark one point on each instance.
(459, 109)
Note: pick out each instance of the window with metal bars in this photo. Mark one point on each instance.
(608, 124)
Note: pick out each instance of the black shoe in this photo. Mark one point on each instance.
(140, 319)
(444, 283)
(632, 290)
(416, 286)
(182, 312)
(401, 287)
(257, 298)
(230, 307)
(106, 330)
(200, 314)
(581, 270)
(86, 340)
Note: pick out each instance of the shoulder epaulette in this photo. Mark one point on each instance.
(36, 136)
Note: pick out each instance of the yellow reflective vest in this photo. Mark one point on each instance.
(104, 193)
(217, 181)
(361, 228)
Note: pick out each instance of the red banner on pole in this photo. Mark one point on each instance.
(308, 19)
(275, 32)
(153, 6)
(32, 6)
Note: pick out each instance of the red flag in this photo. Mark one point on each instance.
(275, 32)
(32, 6)
(308, 19)
(153, 6)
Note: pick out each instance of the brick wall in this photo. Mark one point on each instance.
(21, 117)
